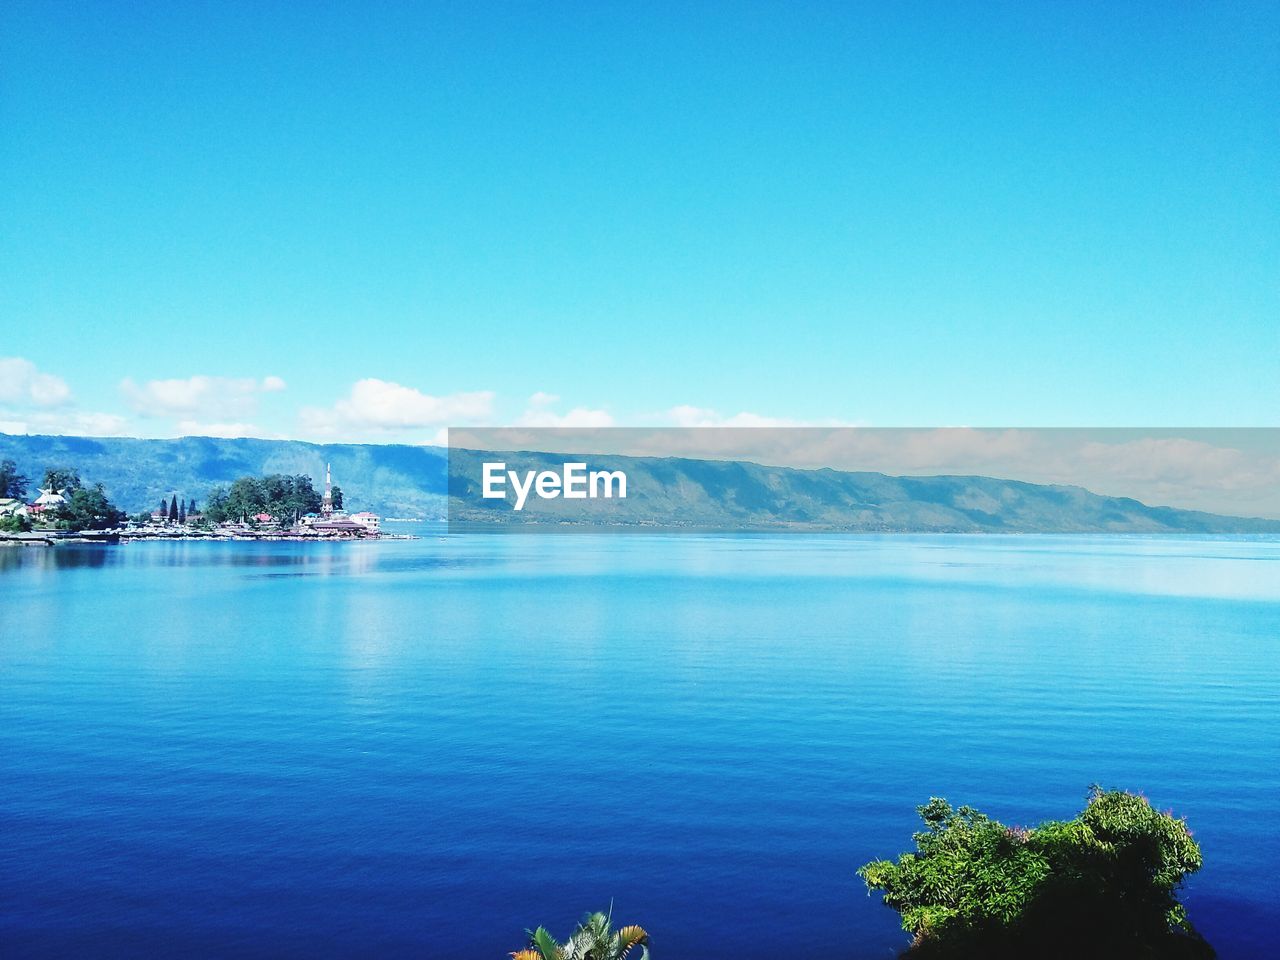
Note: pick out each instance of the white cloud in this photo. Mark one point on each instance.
(97, 424)
(194, 428)
(381, 406)
(689, 416)
(35, 402)
(65, 423)
(199, 396)
(21, 382)
(538, 412)
(577, 417)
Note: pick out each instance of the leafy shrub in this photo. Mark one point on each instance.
(1103, 885)
(14, 523)
(594, 939)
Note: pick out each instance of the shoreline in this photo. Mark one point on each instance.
(118, 537)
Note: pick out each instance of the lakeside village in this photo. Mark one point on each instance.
(274, 507)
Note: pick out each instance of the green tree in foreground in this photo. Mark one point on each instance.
(1103, 885)
(595, 939)
(12, 483)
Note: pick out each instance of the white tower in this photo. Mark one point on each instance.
(326, 505)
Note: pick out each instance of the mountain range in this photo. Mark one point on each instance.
(673, 493)
(398, 480)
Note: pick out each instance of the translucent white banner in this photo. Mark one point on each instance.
(870, 480)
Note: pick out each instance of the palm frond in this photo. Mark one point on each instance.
(630, 936)
(547, 945)
(593, 939)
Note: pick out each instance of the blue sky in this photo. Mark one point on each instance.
(327, 220)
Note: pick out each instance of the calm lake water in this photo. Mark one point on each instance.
(419, 748)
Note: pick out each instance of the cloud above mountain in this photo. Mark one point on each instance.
(23, 383)
(199, 396)
(381, 406)
(36, 401)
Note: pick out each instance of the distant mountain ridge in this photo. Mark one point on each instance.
(672, 492)
(400, 480)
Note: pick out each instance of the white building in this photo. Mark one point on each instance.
(12, 508)
(50, 499)
(367, 520)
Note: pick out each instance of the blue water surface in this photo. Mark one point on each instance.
(419, 748)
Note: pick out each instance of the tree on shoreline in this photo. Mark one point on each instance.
(284, 497)
(1103, 885)
(62, 479)
(87, 508)
(13, 485)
